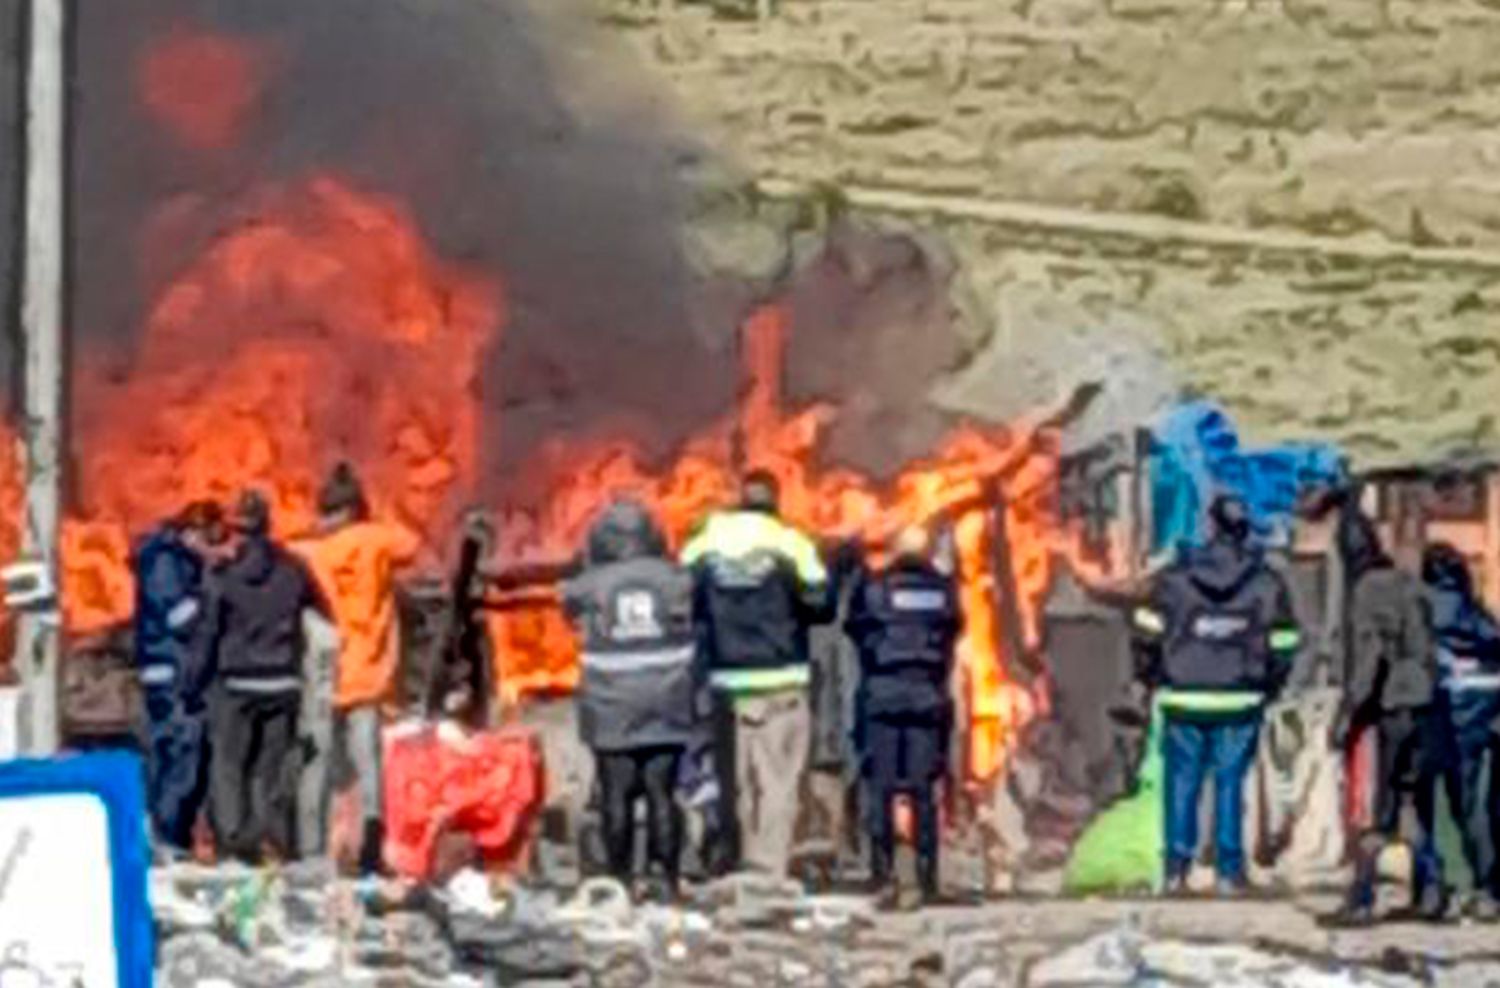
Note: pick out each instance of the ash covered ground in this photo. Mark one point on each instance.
(303, 926)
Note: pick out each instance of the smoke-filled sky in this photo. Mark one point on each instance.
(508, 160)
(526, 146)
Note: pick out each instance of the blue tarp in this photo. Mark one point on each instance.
(1196, 455)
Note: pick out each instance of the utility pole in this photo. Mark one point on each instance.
(39, 633)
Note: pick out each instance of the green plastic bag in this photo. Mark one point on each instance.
(1123, 849)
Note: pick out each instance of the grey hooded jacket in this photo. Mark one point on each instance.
(1220, 619)
(633, 610)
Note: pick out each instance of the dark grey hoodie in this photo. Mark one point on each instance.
(251, 636)
(1220, 619)
(1393, 661)
(633, 608)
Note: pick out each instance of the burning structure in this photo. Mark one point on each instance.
(249, 309)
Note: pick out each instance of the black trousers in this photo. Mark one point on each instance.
(903, 759)
(626, 776)
(256, 763)
(1409, 764)
(721, 831)
(1470, 780)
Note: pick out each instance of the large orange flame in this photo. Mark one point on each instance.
(319, 327)
(535, 650)
(322, 328)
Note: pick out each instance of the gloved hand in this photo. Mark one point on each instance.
(849, 556)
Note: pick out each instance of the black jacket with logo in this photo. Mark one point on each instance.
(905, 623)
(1219, 619)
(759, 584)
(633, 610)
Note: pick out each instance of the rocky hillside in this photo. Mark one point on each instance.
(1289, 205)
(1329, 116)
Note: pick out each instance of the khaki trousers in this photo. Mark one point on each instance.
(772, 735)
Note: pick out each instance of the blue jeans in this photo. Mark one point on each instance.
(176, 745)
(1192, 748)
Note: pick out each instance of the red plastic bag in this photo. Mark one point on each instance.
(488, 786)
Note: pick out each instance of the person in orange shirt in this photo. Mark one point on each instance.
(355, 560)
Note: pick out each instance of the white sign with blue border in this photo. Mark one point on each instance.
(74, 911)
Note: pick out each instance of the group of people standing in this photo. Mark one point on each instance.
(223, 622)
(1421, 677)
(706, 657)
(700, 665)
(1424, 678)
(695, 663)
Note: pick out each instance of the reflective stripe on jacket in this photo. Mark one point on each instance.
(638, 674)
(759, 583)
(1220, 619)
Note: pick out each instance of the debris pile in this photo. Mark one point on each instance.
(301, 926)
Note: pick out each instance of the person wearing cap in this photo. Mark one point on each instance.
(638, 692)
(905, 622)
(759, 585)
(1217, 637)
(250, 647)
(355, 559)
(169, 568)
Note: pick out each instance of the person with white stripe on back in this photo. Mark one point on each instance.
(1468, 662)
(638, 692)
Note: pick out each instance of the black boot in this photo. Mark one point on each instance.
(1358, 910)
(1430, 903)
(372, 849)
(880, 871)
(927, 876)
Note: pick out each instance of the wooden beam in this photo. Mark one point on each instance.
(1141, 528)
(1134, 226)
(462, 632)
(1122, 532)
(1008, 605)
